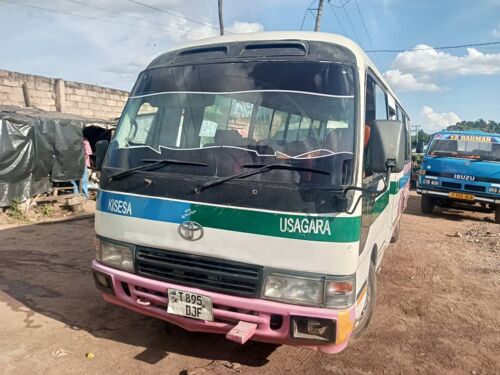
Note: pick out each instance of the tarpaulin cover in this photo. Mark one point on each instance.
(36, 151)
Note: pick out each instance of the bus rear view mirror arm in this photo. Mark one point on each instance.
(386, 148)
(101, 148)
(372, 193)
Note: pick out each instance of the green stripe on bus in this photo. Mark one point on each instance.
(394, 187)
(310, 228)
(302, 227)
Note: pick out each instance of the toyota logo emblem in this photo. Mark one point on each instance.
(190, 230)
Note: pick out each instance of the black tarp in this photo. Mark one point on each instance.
(37, 149)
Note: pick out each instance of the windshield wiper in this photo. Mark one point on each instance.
(153, 164)
(260, 168)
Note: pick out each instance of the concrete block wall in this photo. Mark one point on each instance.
(58, 95)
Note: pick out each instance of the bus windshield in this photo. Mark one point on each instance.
(229, 115)
(466, 146)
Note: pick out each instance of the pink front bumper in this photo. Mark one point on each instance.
(149, 297)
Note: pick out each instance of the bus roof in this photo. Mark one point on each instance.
(363, 60)
(467, 132)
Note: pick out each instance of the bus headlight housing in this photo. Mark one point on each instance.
(325, 291)
(114, 255)
(429, 181)
(494, 190)
(300, 290)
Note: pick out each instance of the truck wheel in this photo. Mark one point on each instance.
(395, 234)
(427, 204)
(361, 323)
(497, 214)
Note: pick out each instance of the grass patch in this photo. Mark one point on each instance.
(46, 210)
(15, 211)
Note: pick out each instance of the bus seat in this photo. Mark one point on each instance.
(296, 148)
(228, 137)
(230, 160)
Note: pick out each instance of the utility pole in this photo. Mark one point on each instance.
(318, 15)
(221, 19)
(416, 128)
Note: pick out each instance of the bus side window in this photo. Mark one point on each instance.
(375, 109)
(370, 101)
(380, 104)
(375, 103)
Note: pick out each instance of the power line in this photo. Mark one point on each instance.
(366, 30)
(58, 12)
(174, 14)
(350, 23)
(342, 3)
(337, 18)
(435, 48)
(176, 30)
(308, 9)
(85, 16)
(123, 13)
(92, 6)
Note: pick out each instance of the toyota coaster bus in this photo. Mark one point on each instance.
(251, 188)
(461, 169)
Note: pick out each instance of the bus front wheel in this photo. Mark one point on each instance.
(427, 204)
(371, 291)
(497, 214)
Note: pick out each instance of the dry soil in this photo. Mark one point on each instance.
(437, 310)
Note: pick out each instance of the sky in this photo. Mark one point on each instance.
(108, 42)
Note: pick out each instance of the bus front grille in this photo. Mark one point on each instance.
(478, 188)
(451, 185)
(212, 274)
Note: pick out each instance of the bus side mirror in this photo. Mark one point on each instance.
(387, 146)
(101, 148)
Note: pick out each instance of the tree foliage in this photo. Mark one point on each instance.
(486, 126)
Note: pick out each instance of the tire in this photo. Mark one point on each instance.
(361, 324)
(497, 214)
(427, 204)
(395, 234)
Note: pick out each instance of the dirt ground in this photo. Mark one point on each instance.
(437, 310)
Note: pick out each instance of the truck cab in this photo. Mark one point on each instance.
(461, 169)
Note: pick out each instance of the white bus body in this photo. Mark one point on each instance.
(286, 255)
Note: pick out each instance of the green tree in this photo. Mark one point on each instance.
(423, 138)
(488, 126)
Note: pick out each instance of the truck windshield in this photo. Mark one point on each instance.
(229, 115)
(466, 146)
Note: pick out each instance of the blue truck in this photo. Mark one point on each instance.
(461, 169)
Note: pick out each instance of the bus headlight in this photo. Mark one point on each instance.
(429, 181)
(326, 291)
(114, 255)
(301, 290)
(493, 190)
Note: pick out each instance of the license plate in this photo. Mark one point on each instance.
(191, 305)
(466, 197)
